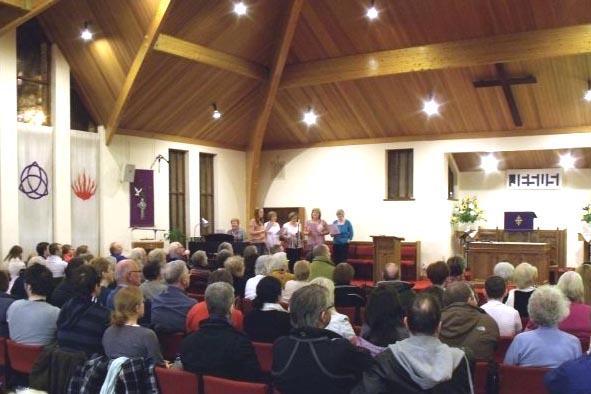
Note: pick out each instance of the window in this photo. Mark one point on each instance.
(400, 174)
(177, 190)
(452, 183)
(33, 72)
(206, 193)
(80, 119)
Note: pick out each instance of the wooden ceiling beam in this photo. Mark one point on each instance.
(20, 4)
(529, 45)
(269, 89)
(198, 53)
(182, 140)
(153, 30)
(37, 8)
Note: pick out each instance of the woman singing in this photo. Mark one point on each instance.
(316, 229)
(292, 233)
(340, 241)
(256, 230)
(272, 230)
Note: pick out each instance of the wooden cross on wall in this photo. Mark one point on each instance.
(506, 83)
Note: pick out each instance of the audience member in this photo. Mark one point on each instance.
(383, 325)
(106, 272)
(127, 274)
(176, 251)
(507, 317)
(125, 338)
(80, 250)
(280, 268)
(87, 257)
(390, 277)
(301, 272)
(545, 346)
(42, 249)
(226, 246)
(457, 266)
(157, 255)
(235, 266)
(67, 253)
(82, 322)
(420, 363)
(139, 256)
(524, 278)
(338, 323)
(5, 301)
(116, 250)
(276, 249)
(170, 308)
(152, 285)
(572, 377)
(54, 262)
(13, 262)
(578, 322)
(313, 359)
(221, 257)
(437, 273)
(345, 294)
(218, 348)
(67, 287)
(199, 273)
(321, 265)
(238, 233)
(250, 255)
(268, 320)
(199, 312)
(262, 268)
(464, 324)
(33, 321)
(504, 270)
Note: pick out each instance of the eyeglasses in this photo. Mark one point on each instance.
(139, 271)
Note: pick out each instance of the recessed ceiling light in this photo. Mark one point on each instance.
(489, 163)
(567, 161)
(310, 117)
(240, 8)
(215, 114)
(86, 34)
(372, 12)
(431, 107)
(587, 96)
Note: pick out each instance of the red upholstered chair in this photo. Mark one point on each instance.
(198, 297)
(170, 344)
(356, 315)
(21, 356)
(174, 381)
(502, 346)
(246, 306)
(215, 385)
(264, 353)
(480, 377)
(409, 261)
(3, 361)
(521, 380)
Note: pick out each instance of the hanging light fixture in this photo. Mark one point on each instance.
(310, 117)
(372, 11)
(587, 96)
(86, 34)
(215, 114)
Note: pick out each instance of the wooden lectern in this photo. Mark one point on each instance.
(386, 249)
(585, 237)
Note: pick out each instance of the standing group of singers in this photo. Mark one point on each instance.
(267, 235)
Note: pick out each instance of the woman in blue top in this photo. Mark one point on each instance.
(341, 240)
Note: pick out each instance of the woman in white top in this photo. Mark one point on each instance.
(339, 323)
(272, 230)
(301, 271)
(292, 232)
(13, 262)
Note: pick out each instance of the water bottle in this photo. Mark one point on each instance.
(177, 364)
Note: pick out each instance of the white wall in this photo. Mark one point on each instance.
(229, 175)
(354, 178)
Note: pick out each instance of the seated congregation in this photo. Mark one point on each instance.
(155, 321)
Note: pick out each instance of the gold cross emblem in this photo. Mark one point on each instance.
(518, 220)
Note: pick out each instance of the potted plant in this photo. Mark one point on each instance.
(175, 235)
(467, 214)
(586, 218)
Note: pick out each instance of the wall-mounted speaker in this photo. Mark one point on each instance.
(128, 173)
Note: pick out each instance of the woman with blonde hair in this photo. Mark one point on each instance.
(578, 321)
(315, 229)
(256, 230)
(301, 272)
(585, 271)
(524, 278)
(125, 338)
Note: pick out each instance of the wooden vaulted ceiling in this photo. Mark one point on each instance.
(156, 66)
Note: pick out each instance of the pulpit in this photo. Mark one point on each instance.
(386, 249)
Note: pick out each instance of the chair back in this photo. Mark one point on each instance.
(246, 306)
(521, 380)
(173, 381)
(215, 385)
(21, 356)
(3, 361)
(264, 353)
(502, 346)
(170, 344)
(480, 377)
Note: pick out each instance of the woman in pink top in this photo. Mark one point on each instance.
(256, 231)
(315, 229)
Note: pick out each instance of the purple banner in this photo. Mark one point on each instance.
(141, 199)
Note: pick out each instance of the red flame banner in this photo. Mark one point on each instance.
(84, 187)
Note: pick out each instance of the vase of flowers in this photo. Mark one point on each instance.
(586, 219)
(467, 214)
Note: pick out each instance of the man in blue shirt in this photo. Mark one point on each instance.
(169, 309)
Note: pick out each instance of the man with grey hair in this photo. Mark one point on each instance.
(127, 273)
(139, 256)
(217, 348)
(170, 308)
(321, 264)
(312, 359)
(116, 250)
(546, 346)
(157, 255)
(176, 251)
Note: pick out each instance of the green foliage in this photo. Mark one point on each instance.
(175, 235)
(467, 211)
